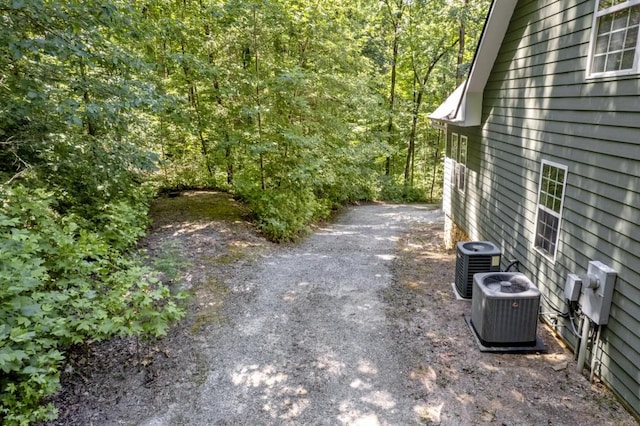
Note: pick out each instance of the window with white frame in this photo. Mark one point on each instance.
(458, 154)
(462, 163)
(614, 41)
(454, 146)
(454, 157)
(553, 178)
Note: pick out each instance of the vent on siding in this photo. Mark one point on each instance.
(472, 258)
(504, 309)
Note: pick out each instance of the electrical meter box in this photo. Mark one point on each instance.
(597, 289)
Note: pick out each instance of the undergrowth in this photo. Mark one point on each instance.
(67, 280)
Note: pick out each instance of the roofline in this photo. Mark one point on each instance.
(469, 108)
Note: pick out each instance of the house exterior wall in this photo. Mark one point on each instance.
(539, 105)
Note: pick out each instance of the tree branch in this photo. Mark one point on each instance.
(16, 176)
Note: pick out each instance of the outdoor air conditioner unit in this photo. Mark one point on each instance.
(474, 257)
(504, 309)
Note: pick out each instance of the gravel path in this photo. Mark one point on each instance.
(308, 342)
(356, 325)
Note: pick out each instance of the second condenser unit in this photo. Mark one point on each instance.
(474, 257)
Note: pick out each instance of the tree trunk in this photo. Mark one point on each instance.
(392, 95)
(229, 158)
(89, 122)
(228, 153)
(412, 138)
(395, 19)
(436, 151)
(258, 105)
(203, 141)
(417, 103)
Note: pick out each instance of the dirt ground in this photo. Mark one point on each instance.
(437, 369)
(488, 388)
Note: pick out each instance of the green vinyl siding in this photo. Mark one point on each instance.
(539, 105)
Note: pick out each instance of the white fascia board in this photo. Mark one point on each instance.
(490, 42)
(447, 110)
(468, 111)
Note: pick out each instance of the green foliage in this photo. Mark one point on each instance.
(283, 215)
(283, 103)
(61, 284)
(391, 190)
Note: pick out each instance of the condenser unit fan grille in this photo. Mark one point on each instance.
(507, 283)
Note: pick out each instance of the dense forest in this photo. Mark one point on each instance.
(294, 106)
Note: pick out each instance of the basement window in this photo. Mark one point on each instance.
(551, 188)
(614, 49)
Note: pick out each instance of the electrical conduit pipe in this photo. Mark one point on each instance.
(582, 351)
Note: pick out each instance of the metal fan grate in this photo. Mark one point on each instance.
(506, 284)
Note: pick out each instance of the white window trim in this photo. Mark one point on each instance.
(453, 154)
(455, 141)
(551, 257)
(462, 165)
(458, 166)
(594, 35)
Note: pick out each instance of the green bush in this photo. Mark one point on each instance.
(61, 283)
(352, 188)
(391, 190)
(283, 214)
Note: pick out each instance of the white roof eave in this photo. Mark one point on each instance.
(448, 109)
(468, 96)
(461, 108)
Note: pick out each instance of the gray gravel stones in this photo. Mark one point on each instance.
(311, 346)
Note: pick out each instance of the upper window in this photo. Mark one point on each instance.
(459, 156)
(454, 146)
(614, 42)
(462, 164)
(553, 179)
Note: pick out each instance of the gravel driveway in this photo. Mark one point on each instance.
(311, 344)
(355, 325)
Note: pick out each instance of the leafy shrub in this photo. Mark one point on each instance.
(390, 190)
(121, 224)
(61, 283)
(284, 214)
(349, 188)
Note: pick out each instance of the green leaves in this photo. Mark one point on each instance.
(76, 98)
(63, 281)
(291, 93)
(283, 103)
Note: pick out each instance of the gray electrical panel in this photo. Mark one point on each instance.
(597, 289)
(572, 288)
